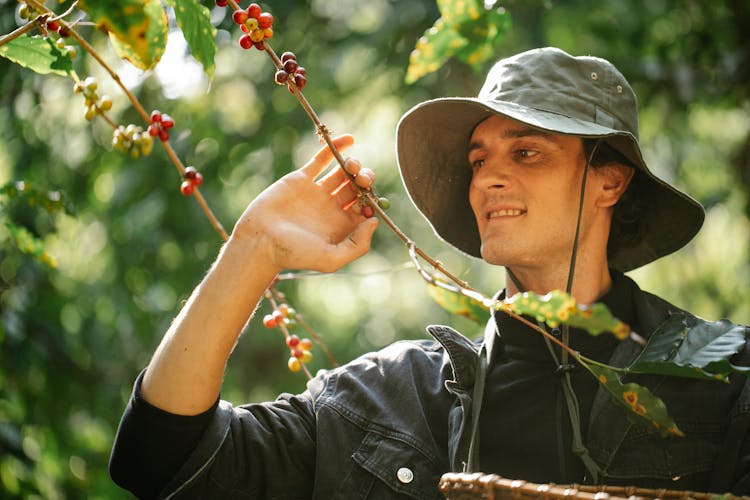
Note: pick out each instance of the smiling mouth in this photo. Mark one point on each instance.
(510, 212)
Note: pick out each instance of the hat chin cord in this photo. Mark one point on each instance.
(564, 367)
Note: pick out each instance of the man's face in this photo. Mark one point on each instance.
(525, 192)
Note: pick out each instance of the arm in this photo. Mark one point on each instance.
(297, 223)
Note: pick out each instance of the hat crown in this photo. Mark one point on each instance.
(586, 88)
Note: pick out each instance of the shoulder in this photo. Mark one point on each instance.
(400, 379)
(403, 359)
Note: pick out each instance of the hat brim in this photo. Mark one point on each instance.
(432, 145)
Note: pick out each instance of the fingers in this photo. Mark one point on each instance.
(323, 157)
(336, 180)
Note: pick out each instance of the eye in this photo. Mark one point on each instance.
(525, 154)
(477, 163)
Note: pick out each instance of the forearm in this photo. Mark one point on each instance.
(296, 223)
(185, 374)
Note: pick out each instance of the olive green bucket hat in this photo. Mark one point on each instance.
(553, 91)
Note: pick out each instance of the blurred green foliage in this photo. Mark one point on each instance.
(73, 338)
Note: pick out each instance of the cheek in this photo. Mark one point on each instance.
(475, 201)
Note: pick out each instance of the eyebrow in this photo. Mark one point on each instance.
(516, 133)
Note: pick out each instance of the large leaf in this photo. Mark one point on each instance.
(137, 28)
(455, 302)
(195, 22)
(558, 307)
(692, 347)
(643, 407)
(466, 30)
(38, 54)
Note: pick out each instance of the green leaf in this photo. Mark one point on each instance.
(692, 347)
(456, 302)
(558, 307)
(460, 11)
(437, 44)
(195, 22)
(38, 54)
(29, 244)
(137, 28)
(484, 38)
(643, 408)
(466, 30)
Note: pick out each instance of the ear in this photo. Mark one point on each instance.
(614, 179)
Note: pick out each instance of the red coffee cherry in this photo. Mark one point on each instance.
(246, 41)
(265, 20)
(253, 10)
(240, 16)
(187, 188)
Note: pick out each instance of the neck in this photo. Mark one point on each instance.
(589, 282)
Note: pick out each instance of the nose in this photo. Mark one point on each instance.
(490, 176)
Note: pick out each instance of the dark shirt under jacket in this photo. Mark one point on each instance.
(525, 425)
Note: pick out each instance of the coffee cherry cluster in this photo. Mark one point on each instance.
(299, 352)
(94, 103)
(366, 209)
(160, 125)
(132, 140)
(299, 349)
(291, 71)
(256, 25)
(282, 315)
(191, 180)
(27, 12)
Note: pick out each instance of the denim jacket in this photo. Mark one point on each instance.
(389, 424)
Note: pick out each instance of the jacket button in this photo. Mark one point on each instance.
(405, 475)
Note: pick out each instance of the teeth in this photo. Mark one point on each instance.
(505, 213)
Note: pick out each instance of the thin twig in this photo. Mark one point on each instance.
(23, 29)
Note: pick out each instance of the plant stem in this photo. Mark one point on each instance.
(23, 29)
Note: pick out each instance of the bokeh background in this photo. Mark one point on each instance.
(73, 338)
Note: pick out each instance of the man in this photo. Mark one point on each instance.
(541, 174)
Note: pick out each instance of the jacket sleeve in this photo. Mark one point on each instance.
(256, 451)
(151, 444)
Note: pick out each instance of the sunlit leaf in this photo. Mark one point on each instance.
(484, 38)
(692, 347)
(137, 28)
(466, 30)
(558, 307)
(195, 22)
(437, 44)
(460, 11)
(37, 54)
(643, 407)
(458, 303)
(29, 244)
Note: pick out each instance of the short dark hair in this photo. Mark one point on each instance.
(629, 210)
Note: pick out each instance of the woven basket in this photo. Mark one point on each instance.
(458, 486)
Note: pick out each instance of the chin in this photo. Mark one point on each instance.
(495, 256)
